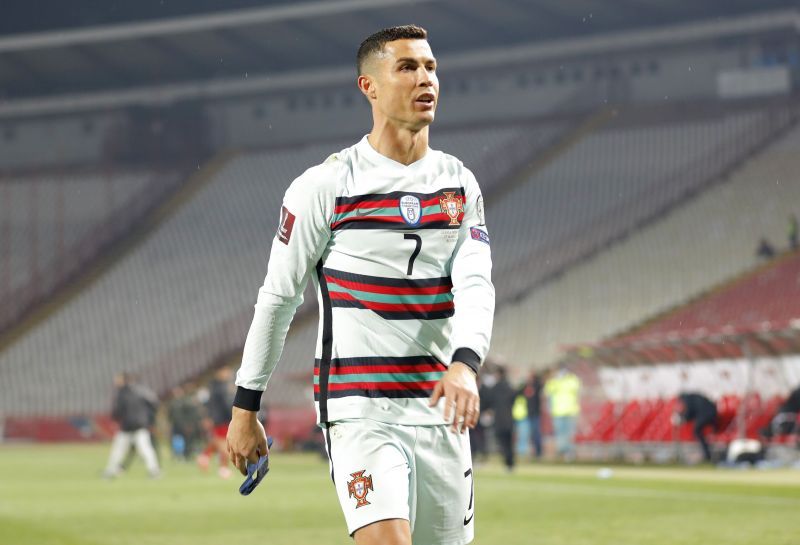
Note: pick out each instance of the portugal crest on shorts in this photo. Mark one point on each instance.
(359, 487)
(452, 206)
(410, 209)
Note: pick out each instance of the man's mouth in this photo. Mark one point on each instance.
(426, 101)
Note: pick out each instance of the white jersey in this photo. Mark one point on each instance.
(399, 255)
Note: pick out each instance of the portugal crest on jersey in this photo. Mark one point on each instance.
(410, 209)
(359, 487)
(452, 206)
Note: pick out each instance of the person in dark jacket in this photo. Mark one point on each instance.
(184, 418)
(477, 435)
(785, 421)
(500, 400)
(132, 409)
(697, 408)
(532, 391)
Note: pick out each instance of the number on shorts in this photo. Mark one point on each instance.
(468, 473)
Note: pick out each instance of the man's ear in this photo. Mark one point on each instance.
(366, 85)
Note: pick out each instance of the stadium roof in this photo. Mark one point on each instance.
(143, 45)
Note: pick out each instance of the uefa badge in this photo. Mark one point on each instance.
(359, 487)
(410, 209)
(452, 206)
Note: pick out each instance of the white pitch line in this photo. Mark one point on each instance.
(603, 490)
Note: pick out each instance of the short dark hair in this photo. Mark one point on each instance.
(374, 43)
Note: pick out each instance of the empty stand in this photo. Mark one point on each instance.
(705, 241)
(183, 300)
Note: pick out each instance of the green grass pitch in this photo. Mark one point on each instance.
(53, 495)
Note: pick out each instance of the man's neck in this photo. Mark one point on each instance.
(401, 145)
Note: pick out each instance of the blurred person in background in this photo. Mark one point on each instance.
(151, 428)
(477, 435)
(185, 423)
(765, 250)
(532, 391)
(133, 407)
(500, 401)
(218, 414)
(563, 391)
(792, 232)
(697, 408)
(785, 421)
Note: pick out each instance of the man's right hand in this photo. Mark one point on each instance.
(246, 439)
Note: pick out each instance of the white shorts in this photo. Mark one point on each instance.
(422, 474)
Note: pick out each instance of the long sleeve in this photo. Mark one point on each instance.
(300, 241)
(473, 292)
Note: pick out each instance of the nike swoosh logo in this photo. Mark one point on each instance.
(468, 520)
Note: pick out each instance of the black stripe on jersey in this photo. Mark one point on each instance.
(392, 282)
(396, 195)
(391, 226)
(359, 392)
(327, 433)
(381, 360)
(395, 314)
(327, 345)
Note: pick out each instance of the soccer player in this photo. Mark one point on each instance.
(393, 236)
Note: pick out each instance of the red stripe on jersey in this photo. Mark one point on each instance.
(394, 386)
(365, 205)
(389, 290)
(357, 369)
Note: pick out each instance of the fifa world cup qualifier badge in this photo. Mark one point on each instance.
(359, 487)
(286, 225)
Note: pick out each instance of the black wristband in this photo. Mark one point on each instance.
(468, 357)
(249, 400)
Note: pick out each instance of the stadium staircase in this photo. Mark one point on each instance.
(660, 243)
(105, 243)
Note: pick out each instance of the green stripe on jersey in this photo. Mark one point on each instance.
(424, 299)
(382, 377)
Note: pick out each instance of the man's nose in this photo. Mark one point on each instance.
(425, 79)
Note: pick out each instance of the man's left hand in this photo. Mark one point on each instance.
(459, 387)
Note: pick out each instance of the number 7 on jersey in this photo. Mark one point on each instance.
(415, 253)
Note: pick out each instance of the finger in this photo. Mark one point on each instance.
(240, 464)
(252, 456)
(437, 393)
(473, 412)
(449, 409)
(262, 447)
(461, 414)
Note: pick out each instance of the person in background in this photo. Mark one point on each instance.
(697, 408)
(477, 435)
(792, 232)
(184, 418)
(563, 392)
(500, 400)
(785, 421)
(765, 250)
(218, 417)
(133, 408)
(532, 390)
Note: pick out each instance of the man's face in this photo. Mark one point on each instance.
(405, 83)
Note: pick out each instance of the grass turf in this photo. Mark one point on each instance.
(53, 495)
